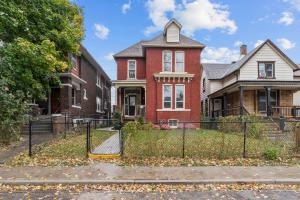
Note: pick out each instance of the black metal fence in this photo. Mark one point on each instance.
(76, 137)
(205, 139)
(214, 139)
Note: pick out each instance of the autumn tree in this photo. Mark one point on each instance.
(36, 37)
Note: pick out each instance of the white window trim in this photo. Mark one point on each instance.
(163, 61)
(183, 61)
(134, 68)
(73, 102)
(85, 94)
(98, 79)
(183, 97)
(97, 110)
(163, 96)
(173, 120)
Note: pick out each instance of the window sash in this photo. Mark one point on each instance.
(179, 67)
(167, 61)
(131, 69)
(73, 97)
(167, 96)
(179, 90)
(266, 70)
(98, 104)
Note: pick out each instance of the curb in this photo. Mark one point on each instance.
(145, 181)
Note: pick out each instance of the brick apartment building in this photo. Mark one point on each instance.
(85, 90)
(159, 79)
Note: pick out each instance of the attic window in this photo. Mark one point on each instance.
(266, 70)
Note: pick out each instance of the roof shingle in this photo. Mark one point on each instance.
(136, 50)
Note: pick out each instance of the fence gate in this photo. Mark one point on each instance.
(103, 141)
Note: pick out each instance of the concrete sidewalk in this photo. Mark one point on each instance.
(104, 173)
(109, 146)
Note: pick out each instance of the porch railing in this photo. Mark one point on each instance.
(286, 111)
(231, 111)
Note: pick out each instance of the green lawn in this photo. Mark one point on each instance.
(197, 143)
(62, 151)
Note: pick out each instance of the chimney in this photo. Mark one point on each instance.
(243, 50)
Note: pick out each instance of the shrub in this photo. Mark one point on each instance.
(271, 153)
(116, 120)
(230, 124)
(254, 124)
(140, 120)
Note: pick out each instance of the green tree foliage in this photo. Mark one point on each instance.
(36, 37)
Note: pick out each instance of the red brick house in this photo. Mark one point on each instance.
(84, 91)
(159, 79)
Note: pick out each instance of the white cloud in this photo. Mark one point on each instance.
(158, 10)
(126, 7)
(193, 15)
(285, 43)
(287, 18)
(294, 3)
(109, 56)
(258, 42)
(238, 43)
(101, 31)
(220, 55)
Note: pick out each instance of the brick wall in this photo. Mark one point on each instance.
(122, 68)
(154, 89)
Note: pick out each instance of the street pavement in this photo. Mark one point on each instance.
(209, 195)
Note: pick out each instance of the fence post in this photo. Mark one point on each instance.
(121, 141)
(245, 135)
(87, 139)
(30, 138)
(183, 141)
(65, 133)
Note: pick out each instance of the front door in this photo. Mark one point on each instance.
(132, 100)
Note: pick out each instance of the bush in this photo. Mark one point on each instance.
(271, 153)
(116, 120)
(230, 124)
(234, 124)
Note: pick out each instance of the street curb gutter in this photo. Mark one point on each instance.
(145, 181)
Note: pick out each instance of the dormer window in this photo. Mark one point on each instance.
(172, 31)
(167, 61)
(266, 70)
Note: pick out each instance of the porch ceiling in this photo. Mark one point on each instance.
(256, 85)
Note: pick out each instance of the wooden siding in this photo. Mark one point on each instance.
(173, 33)
(229, 80)
(286, 98)
(214, 86)
(283, 70)
(296, 98)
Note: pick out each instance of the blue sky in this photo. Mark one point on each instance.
(112, 25)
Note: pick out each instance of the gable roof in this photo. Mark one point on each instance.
(215, 70)
(172, 21)
(237, 65)
(135, 50)
(184, 42)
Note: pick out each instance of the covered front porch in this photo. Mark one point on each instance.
(130, 99)
(264, 98)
